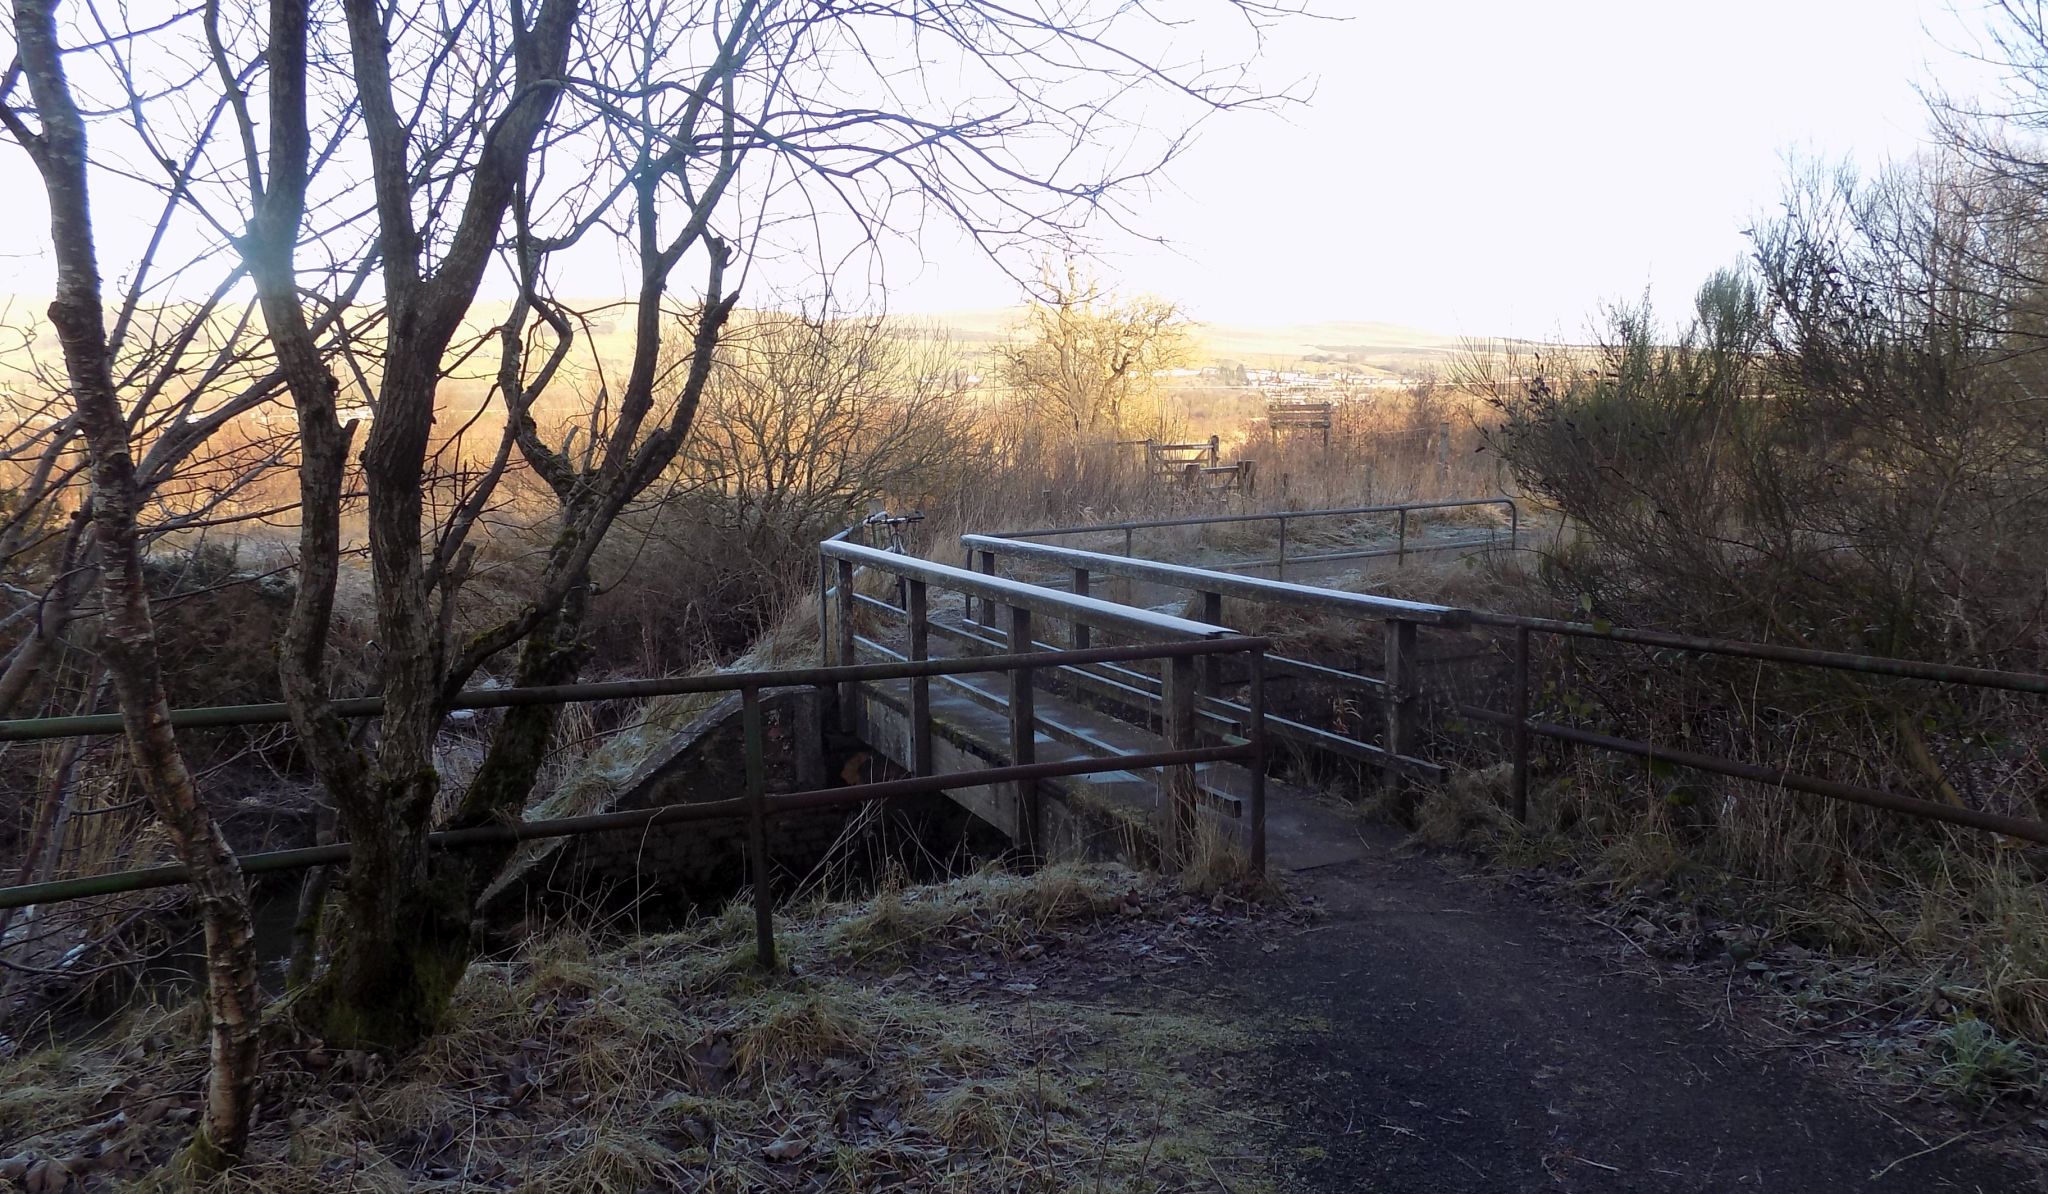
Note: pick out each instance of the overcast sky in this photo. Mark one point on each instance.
(1489, 167)
(1470, 167)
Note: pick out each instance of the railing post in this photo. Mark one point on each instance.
(1280, 563)
(988, 604)
(1081, 631)
(1401, 539)
(824, 610)
(1176, 783)
(1210, 671)
(919, 613)
(1129, 585)
(1256, 734)
(847, 690)
(757, 827)
(1402, 721)
(1521, 730)
(1514, 527)
(1024, 736)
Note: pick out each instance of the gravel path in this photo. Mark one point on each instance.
(1433, 1033)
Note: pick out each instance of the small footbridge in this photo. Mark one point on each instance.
(1089, 703)
(1393, 691)
(1138, 657)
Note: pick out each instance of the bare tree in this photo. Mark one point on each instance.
(58, 147)
(699, 133)
(810, 418)
(483, 149)
(1091, 361)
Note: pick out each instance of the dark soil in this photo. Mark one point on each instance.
(1429, 1032)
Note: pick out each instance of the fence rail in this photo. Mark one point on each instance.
(1401, 550)
(755, 807)
(1013, 611)
(1400, 620)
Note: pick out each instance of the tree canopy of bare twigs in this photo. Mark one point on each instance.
(1089, 361)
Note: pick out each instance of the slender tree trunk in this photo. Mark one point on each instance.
(306, 921)
(128, 634)
(554, 654)
(403, 938)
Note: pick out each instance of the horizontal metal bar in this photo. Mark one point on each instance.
(1415, 546)
(1245, 588)
(1365, 752)
(117, 882)
(562, 694)
(1076, 673)
(1103, 615)
(1232, 715)
(1779, 777)
(1336, 676)
(875, 603)
(1848, 661)
(997, 702)
(1207, 520)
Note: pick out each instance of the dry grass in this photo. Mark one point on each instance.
(672, 1062)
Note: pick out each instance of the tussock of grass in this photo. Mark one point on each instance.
(991, 911)
(1468, 808)
(670, 1062)
(1215, 861)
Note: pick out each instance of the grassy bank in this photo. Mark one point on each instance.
(943, 1038)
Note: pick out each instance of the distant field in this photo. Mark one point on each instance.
(1384, 349)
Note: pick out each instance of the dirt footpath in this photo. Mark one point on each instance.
(1433, 1033)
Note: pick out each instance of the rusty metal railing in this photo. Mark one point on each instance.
(1402, 549)
(1396, 693)
(1399, 691)
(1013, 609)
(756, 807)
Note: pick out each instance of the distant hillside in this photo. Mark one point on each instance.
(1385, 348)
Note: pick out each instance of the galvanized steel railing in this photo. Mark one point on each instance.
(1401, 550)
(1399, 695)
(1018, 608)
(1396, 691)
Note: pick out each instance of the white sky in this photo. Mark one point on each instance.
(1471, 167)
(1486, 167)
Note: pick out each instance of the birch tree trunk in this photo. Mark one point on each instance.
(128, 634)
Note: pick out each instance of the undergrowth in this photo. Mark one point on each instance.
(674, 1062)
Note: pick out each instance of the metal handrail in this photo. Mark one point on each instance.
(1523, 727)
(1845, 661)
(1229, 584)
(1395, 692)
(1139, 690)
(1019, 595)
(224, 716)
(755, 807)
(1514, 515)
(1180, 687)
